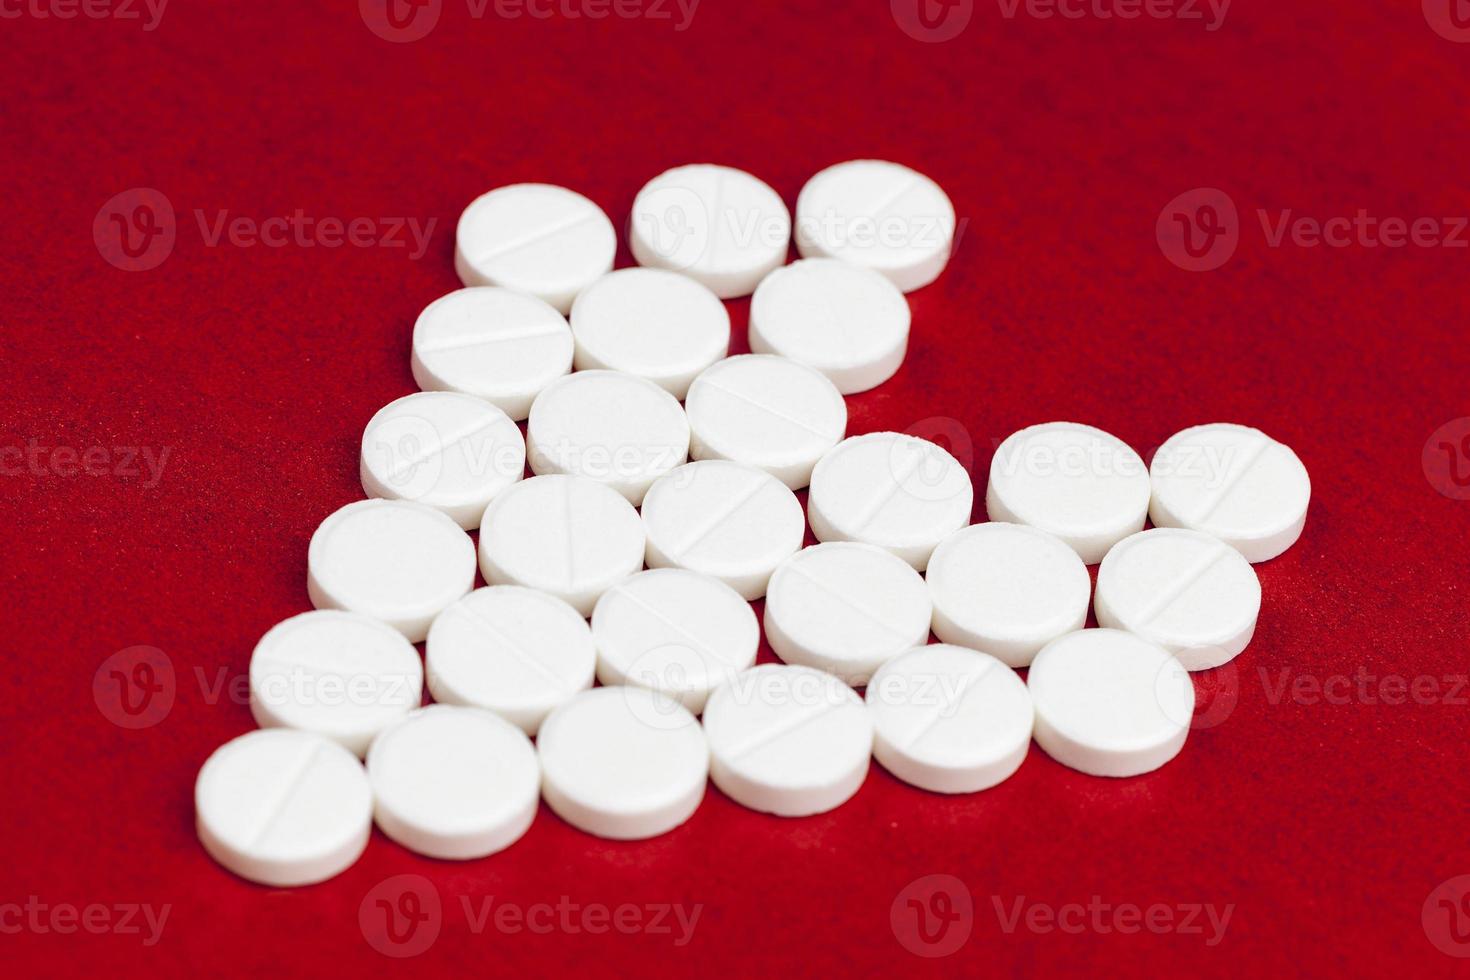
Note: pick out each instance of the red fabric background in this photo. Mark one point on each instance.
(1325, 824)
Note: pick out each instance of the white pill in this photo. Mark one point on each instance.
(453, 452)
(1109, 703)
(393, 560)
(731, 521)
(534, 238)
(673, 631)
(1192, 594)
(765, 411)
(1007, 589)
(616, 428)
(896, 491)
(515, 651)
(1235, 483)
(842, 319)
(1078, 482)
(570, 537)
(658, 325)
(496, 344)
(454, 783)
(282, 807)
(623, 763)
(335, 673)
(881, 215)
(788, 740)
(949, 719)
(846, 608)
(717, 225)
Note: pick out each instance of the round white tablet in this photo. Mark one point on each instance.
(765, 411)
(335, 673)
(1192, 594)
(842, 319)
(731, 521)
(534, 238)
(949, 719)
(788, 740)
(1080, 483)
(1109, 703)
(877, 214)
(514, 651)
(846, 608)
(570, 537)
(282, 807)
(718, 225)
(1235, 483)
(1007, 589)
(896, 491)
(673, 631)
(393, 560)
(454, 783)
(453, 452)
(623, 763)
(616, 428)
(496, 344)
(656, 324)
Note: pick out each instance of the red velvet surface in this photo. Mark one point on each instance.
(1324, 819)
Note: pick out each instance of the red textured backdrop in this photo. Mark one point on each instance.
(1318, 801)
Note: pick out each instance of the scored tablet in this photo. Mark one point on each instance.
(765, 411)
(496, 344)
(539, 239)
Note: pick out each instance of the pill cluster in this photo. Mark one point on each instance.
(630, 401)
